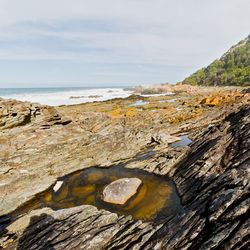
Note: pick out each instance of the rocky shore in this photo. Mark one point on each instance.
(40, 144)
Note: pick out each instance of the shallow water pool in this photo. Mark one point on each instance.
(184, 142)
(156, 198)
(138, 103)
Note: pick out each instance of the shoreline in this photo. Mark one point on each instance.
(41, 144)
(75, 96)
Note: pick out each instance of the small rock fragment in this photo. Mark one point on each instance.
(57, 186)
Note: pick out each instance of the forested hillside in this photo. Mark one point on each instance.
(232, 68)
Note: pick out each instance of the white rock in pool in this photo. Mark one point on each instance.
(57, 186)
(121, 190)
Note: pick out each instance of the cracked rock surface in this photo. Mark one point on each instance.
(211, 175)
(213, 183)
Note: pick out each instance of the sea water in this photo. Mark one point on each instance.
(64, 96)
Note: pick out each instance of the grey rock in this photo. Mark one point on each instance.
(121, 190)
(211, 176)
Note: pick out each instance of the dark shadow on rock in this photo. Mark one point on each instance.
(35, 235)
(4, 222)
(214, 186)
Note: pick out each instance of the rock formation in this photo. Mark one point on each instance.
(213, 182)
(210, 174)
(121, 190)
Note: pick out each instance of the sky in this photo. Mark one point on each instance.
(59, 43)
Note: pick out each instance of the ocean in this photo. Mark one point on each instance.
(64, 95)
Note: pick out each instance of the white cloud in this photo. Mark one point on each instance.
(178, 33)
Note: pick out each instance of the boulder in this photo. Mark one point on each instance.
(121, 190)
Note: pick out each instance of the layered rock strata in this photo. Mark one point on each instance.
(40, 143)
(212, 181)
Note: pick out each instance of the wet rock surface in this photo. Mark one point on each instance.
(121, 190)
(211, 173)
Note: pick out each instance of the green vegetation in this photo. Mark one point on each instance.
(232, 68)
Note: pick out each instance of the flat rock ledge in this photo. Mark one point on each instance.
(121, 190)
(212, 181)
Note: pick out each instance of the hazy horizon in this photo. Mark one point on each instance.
(64, 43)
(80, 86)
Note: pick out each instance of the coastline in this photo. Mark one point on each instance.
(41, 144)
(77, 95)
(64, 96)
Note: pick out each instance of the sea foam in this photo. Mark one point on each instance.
(66, 97)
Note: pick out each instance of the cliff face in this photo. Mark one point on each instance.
(232, 68)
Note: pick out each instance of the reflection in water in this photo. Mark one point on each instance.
(163, 94)
(138, 103)
(180, 98)
(184, 142)
(156, 198)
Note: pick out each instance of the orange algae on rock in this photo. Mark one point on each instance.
(139, 197)
(119, 112)
(183, 117)
(90, 199)
(115, 113)
(222, 99)
(83, 191)
(48, 197)
(149, 208)
(94, 177)
(62, 193)
(130, 112)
